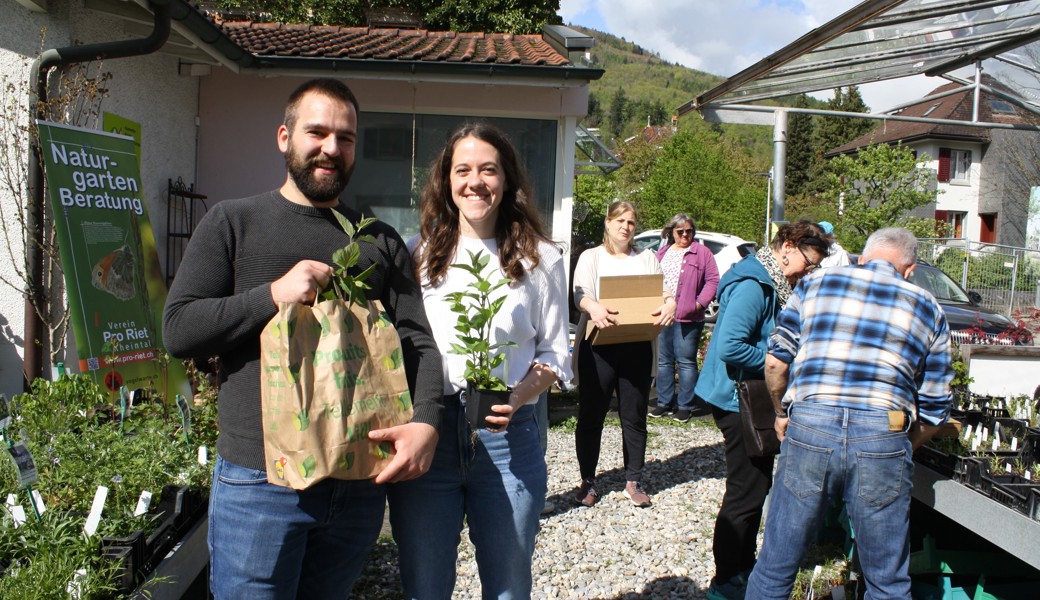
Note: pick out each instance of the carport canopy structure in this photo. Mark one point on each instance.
(879, 40)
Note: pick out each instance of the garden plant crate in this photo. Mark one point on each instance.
(79, 441)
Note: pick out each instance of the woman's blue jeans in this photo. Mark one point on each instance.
(832, 452)
(497, 484)
(677, 344)
(268, 542)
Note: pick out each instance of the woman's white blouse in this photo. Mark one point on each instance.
(534, 315)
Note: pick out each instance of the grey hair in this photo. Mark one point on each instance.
(678, 219)
(899, 239)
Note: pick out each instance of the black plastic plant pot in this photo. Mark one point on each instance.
(479, 403)
(130, 552)
(126, 571)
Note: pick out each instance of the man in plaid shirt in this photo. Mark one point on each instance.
(867, 356)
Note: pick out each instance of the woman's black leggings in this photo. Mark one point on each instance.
(602, 371)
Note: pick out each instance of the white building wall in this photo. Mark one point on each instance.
(956, 196)
(144, 89)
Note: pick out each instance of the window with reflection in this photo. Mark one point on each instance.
(394, 153)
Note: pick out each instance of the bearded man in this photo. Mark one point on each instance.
(246, 256)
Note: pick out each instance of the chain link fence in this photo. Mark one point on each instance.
(1006, 277)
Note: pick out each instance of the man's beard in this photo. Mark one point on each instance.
(317, 188)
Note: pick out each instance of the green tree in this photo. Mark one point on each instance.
(639, 160)
(620, 113)
(879, 186)
(513, 16)
(595, 115)
(592, 195)
(830, 132)
(800, 149)
(698, 173)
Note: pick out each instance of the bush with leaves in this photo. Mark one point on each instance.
(879, 186)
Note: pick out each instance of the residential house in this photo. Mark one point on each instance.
(210, 100)
(981, 173)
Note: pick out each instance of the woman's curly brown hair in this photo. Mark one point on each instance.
(518, 227)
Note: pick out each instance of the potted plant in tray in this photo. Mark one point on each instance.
(476, 308)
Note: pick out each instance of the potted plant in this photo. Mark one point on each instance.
(476, 308)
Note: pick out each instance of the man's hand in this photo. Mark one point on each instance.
(415, 444)
(302, 283)
(780, 425)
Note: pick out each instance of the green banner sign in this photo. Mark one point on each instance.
(115, 284)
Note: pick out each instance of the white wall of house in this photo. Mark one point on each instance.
(144, 89)
(954, 195)
(240, 116)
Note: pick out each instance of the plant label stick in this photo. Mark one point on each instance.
(203, 455)
(124, 404)
(143, 502)
(18, 515)
(94, 518)
(75, 585)
(37, 499)
(1014, 444)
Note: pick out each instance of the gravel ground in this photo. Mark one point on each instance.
(613, 550)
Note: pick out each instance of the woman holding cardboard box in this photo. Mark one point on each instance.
(625, 368)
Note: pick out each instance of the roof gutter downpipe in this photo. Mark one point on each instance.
(32, 363)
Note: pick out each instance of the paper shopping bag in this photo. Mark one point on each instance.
(330, 374)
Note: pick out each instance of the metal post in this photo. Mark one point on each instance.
(779, 168)
(1014, 278)
(769, 190)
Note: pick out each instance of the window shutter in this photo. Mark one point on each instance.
(944, 165)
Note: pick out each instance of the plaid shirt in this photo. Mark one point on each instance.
(865, 338)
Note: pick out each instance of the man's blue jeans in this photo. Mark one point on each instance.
(268, 542)
(832, 452)
(497, 484)
(677, 344)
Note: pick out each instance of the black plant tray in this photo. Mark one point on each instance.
(968, 470)
(1016, 496)
(941, 462)
(1010, 490)
(180, 507)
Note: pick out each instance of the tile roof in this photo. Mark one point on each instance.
(334, 42)
(957, 107)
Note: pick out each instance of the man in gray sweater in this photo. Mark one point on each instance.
(247, 255)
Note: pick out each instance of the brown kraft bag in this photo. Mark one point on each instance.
(330, 374)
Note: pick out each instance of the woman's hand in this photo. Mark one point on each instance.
(499, 421)
(602, 316)
(665, 313)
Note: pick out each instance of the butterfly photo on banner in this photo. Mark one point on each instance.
(114, 273)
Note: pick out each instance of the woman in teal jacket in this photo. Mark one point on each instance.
(751, 295)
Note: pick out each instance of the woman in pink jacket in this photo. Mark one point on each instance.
(691, 275)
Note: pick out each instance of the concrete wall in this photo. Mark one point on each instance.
(144, 89)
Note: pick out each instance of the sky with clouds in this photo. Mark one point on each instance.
(722, 37)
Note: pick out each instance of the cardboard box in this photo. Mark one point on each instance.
(634, 297)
